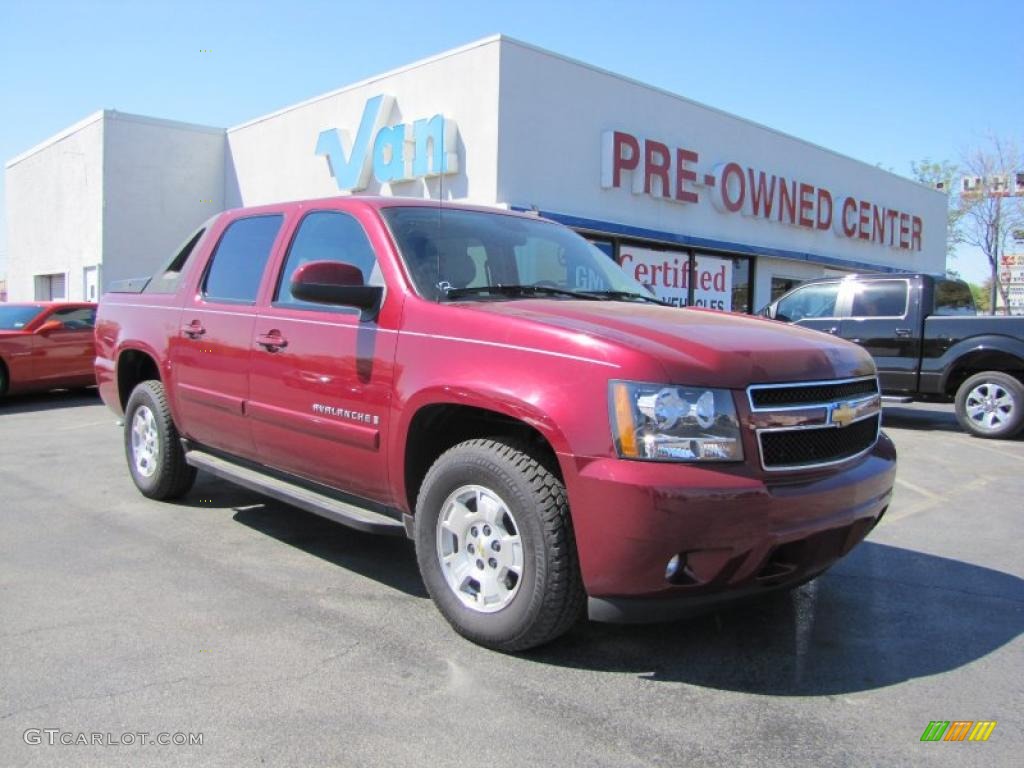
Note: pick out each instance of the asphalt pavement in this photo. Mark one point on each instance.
(279, 638)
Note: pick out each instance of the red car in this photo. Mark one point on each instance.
(46, 345)
(552, 437)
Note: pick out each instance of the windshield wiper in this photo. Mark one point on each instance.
(626, 295)
(519, 290)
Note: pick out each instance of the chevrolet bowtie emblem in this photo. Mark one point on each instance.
(843, 414)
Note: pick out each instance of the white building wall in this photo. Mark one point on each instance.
(126, 190)
(54, 209)
(273, 158)
(162, 179)
(554, 112)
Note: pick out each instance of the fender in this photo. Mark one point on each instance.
(487, 400)
(992, 342)
(163, 366)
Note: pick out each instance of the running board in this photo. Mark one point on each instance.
(333, 509)
(897, 399)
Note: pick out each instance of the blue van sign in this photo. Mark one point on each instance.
(392, 153)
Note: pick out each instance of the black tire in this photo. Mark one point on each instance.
(549, 598)
(3, 379)
(170, 476)
(1007, 419)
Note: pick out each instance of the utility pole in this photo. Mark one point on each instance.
(995, 248)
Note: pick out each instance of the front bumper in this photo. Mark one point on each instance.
(736, 534)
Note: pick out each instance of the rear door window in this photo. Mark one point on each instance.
(880, 298)
(237, 265)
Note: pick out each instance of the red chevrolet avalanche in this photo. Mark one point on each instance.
(46, 345)
(554, 440)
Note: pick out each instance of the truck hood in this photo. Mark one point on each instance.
(697, 347)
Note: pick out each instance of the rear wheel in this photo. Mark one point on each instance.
(991, 404)
(152, 446)
(495, 546)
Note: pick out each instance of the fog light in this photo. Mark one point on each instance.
(672, 568)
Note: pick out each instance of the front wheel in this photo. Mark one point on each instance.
(495, 546)
(991, 404)
(152, 445)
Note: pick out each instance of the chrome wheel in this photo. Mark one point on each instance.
(990, 406)
(479, 548)
(145, 441)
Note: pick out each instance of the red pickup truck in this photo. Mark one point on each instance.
(496, 388)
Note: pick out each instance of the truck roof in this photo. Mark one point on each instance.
(886, 275)
(377, 202)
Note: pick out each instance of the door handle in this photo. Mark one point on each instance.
(193, 330)
(833, 330)
(904, 333)
(272, 341)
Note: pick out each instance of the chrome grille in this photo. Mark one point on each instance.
(787, 394)
(815, 424)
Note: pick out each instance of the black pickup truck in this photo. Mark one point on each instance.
(927, 339)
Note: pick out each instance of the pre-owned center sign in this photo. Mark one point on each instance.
(674, 174)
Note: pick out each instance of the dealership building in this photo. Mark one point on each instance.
(706, 207)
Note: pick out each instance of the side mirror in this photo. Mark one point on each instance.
(768, 310)
(334, 282)
(50, 325)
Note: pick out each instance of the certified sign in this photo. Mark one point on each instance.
(668, 274)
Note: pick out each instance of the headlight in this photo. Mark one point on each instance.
(670, 423)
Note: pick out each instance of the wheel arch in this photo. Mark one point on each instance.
(436, 423)
(134, 366)
(996, 354)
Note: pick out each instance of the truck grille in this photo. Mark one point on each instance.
(815, 424)
(786, 395)
(801, 447)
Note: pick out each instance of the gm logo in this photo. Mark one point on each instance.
(958, 730)
(392, 153)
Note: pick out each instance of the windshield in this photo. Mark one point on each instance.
(458, 254)
(14, 317)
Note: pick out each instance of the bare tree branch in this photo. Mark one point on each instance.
(990, 212)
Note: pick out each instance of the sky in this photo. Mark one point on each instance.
(881, 81)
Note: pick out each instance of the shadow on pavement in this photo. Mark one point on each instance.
(920, 419)
(883, 616)
(389, 560)
(49, 401)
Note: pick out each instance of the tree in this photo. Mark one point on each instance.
(988, 205)
(982, 295)
(942, 176)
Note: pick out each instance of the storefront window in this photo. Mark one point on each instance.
(665, 272)
(783, 285)
(682, 278)
(741, 286)
(722, 282)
